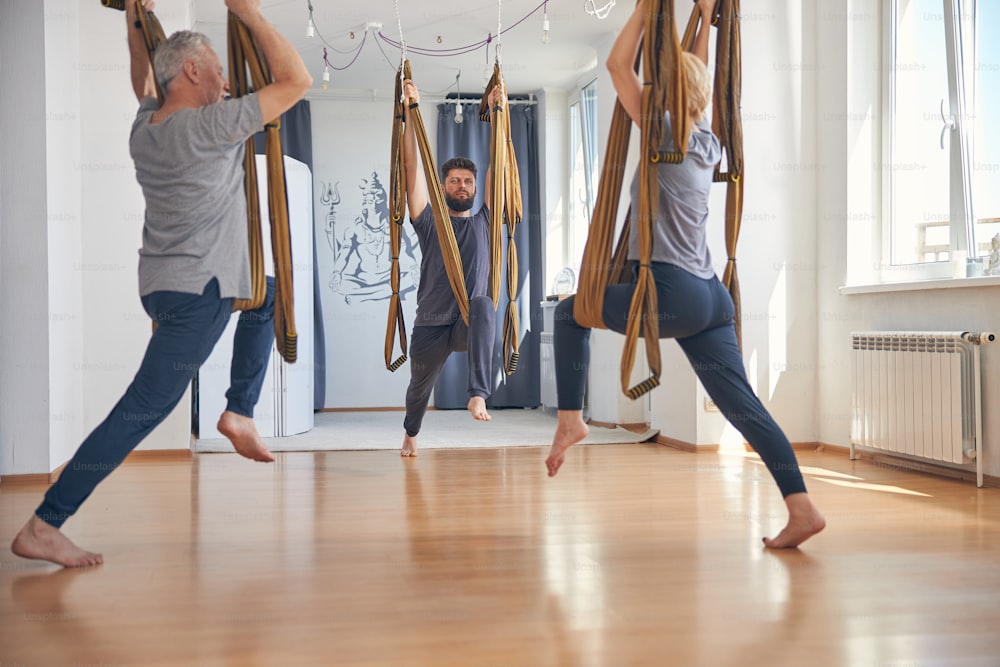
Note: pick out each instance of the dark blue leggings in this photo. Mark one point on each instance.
(430, 347)
(187, 328)
(699, 314)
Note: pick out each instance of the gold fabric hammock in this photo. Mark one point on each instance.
(397, 211)
(728, 126)
(505, 207)
(660, 57)
(397, 208)
(243, 52)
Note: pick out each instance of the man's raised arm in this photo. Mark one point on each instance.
(416, 186)
(291, 78)
(143, 82)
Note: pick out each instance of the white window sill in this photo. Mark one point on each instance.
(916, 285)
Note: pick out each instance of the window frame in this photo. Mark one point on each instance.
(577, 128)
(961, 239)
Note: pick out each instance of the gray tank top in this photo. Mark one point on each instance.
(679, 232)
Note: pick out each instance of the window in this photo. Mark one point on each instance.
(583, 175)
(943, 151)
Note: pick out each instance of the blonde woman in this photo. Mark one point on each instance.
(694, 307)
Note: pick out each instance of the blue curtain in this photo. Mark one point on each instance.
(471, 139)
(296, 143)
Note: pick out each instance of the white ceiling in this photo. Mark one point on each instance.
(528, 64)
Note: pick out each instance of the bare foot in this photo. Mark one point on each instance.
(570, 430)
(242, 432)
(41, 541)
(804, 521)
(477, 406)
(409, 445)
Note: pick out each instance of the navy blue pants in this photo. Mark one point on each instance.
(430, 347)
(699, 314)
(187, 328)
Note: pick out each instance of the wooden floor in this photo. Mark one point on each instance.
(633, 555)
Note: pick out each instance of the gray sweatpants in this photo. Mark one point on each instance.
(430, 347)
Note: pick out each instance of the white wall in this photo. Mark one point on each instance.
(72, 330)
(849, 217)
(777, 253)
(63, 229)
(351, 141)
(116, 328)
(24, 313)
(553, 135)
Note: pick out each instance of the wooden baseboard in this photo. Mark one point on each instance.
(137, 456)
(29, 479)
(881, 460)
(877, 459)
(684, 446)
(33, 478)
(798, 446)
(161, 455)
(929, 467)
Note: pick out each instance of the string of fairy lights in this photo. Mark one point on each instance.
(381, 39)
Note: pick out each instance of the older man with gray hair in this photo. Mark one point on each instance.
(194, 259)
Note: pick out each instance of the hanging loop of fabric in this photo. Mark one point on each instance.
(442, 219)
(727, 124)
(506, 208)
(397, 209)
(244, 55)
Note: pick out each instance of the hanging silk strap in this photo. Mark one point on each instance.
(596, 267)
(442, 220)
(505, 209)
(152, 32)
(245, 54)
(728, 126)
(397, 210)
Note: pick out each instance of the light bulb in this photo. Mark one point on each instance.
(545, 23)
(458, 113)
(310, 29)
(326, 78)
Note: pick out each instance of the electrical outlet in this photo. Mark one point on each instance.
(710, 405)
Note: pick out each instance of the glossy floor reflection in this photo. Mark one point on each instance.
(633, 555)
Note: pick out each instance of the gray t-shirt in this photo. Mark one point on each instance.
(190, 168)
(679, 233)
(436, 305)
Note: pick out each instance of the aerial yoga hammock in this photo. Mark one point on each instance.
(505, 208)
(664, 86)
(505, 205)
(244, 53)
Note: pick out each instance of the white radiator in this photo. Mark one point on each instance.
(919, 394)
